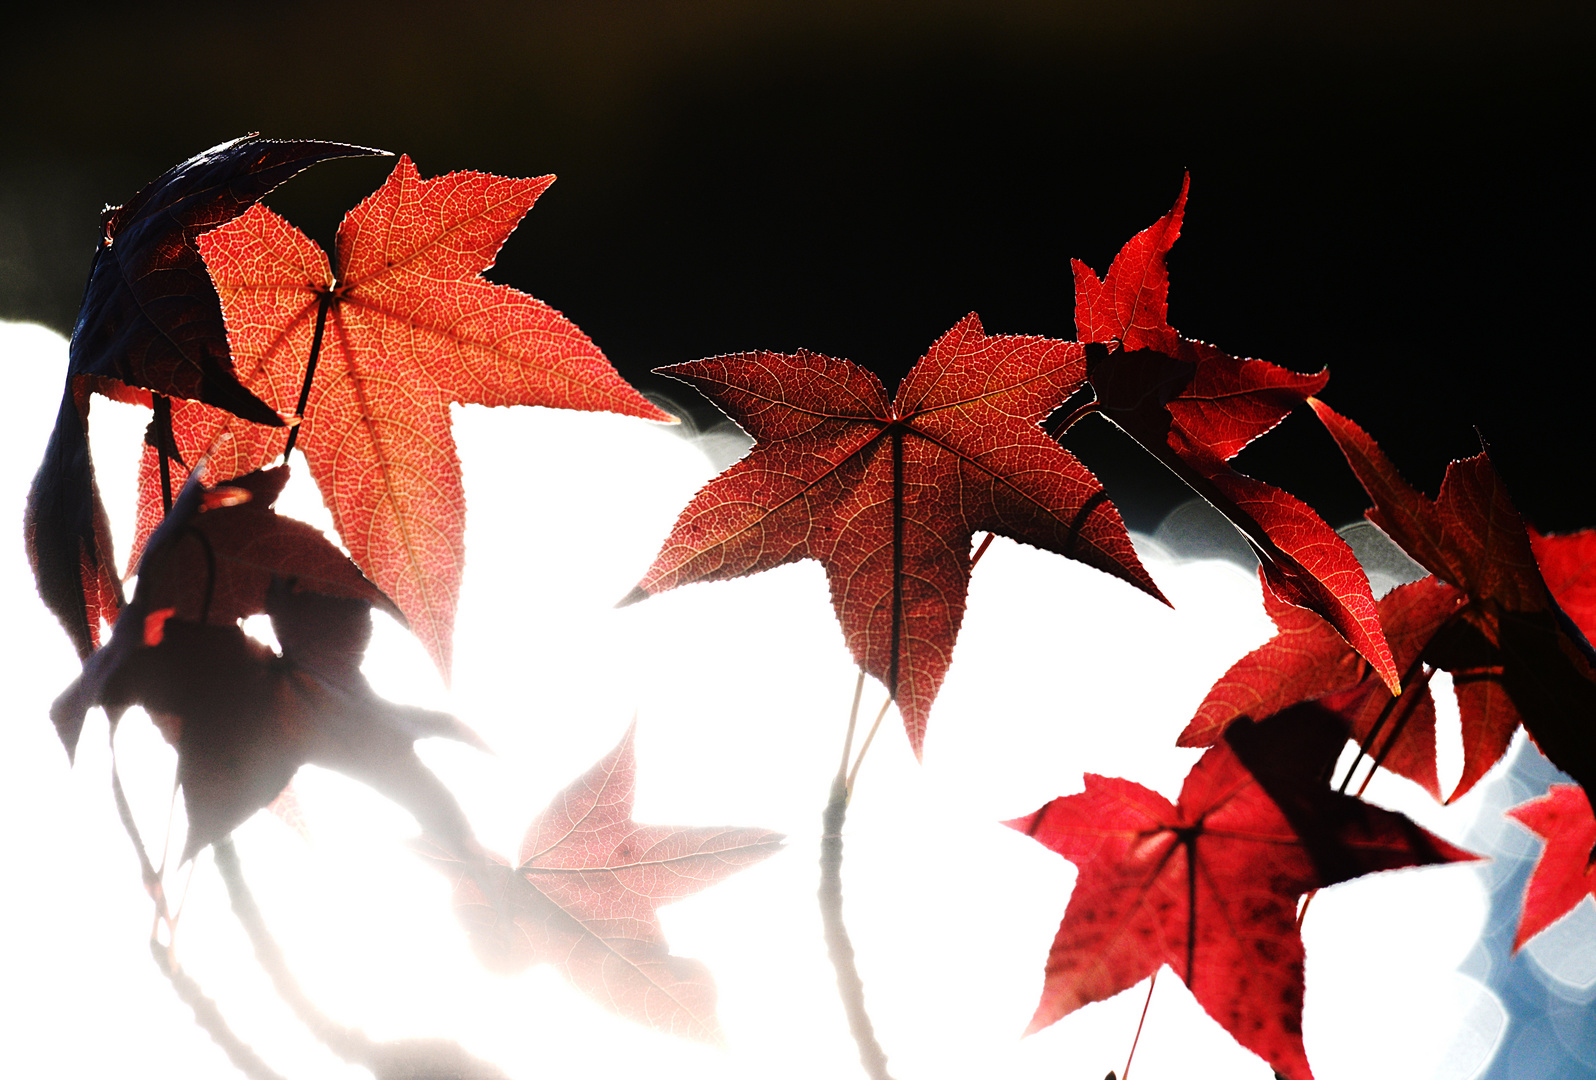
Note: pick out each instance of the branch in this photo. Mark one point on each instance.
(849, 985)
(385, 1058)
(206, 1013)
(209, 1016)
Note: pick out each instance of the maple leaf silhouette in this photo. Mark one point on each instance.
(242, 718)
(405, 328)
(242, 544)
(1564, 874)
(213, 560)
(887, 494)
(1514, 654)
(1194, 407)
(1210, 885)
(149, 322)
(584, 892)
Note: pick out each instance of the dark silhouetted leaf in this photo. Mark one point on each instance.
(65, 530)
(218, 569)
(243, 718)
(1514, 655)
(150, 319)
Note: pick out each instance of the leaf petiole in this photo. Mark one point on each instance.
(1407, 683)
(322, 304)
(1058, 428)
(1416, 690)
(163, 443)
(853, 720)
(982, 549)
(1125, 1074)
(206, 1013)
(869, 738)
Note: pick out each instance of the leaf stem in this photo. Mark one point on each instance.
(1125, 1075)
(1379, 723)
(163, 439)
(869, 738)
(210, 571)
(322, 305)
(351, 1044)
(206, 1012)
(838, 946)
(209, 1017)
(1414, 682)
(1057, 428)
(1408, 701)
(853, 719)
(399, 1057)
(982, 549)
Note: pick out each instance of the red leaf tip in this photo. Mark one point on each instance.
(637, 593)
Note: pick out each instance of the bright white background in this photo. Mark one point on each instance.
(741, 691)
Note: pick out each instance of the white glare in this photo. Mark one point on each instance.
(741, 691)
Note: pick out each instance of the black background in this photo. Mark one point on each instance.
(1399, 191)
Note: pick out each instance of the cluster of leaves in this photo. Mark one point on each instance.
(356, 362)
(887, 495)
(406, 329)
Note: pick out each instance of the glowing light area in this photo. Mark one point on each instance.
(741, 691)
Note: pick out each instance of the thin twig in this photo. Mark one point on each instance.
(1409, 699)
(982, 549)
(1138, 1038)
(1058, 427)
(349, 1043)
(853, 774)
(322, 305)
(162, 421)
(208, 1016)
(1414, 681)
(853, 719)
(1302, 912)
(206, 1013)
(1385, 714)
(384, 1057)
(849, 986)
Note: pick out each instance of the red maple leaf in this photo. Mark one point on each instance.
(1564, 874)
(1568, 565)
(1514, 655)
(584, 892)
(1210, 885)
(149, 321)
(1307, 661)
(1195, 407)
(403, 329)
(887, 494)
